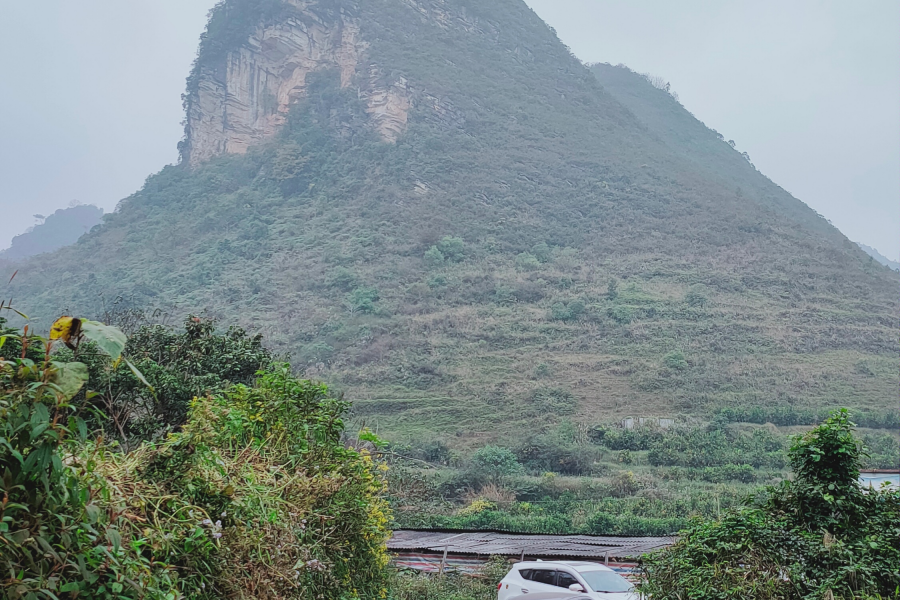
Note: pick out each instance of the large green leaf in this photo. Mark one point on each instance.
(110, 339)
(69, 378)
(139, 375)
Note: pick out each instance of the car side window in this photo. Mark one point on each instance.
(545, 576)
(525, 574)
(564, 580)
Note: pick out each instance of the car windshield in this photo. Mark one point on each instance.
(606, 581)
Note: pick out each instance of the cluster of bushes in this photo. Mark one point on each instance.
(882, 451)
(698, 448)
(449, 250)
(788, 415)
(818, 536)
(253, 492)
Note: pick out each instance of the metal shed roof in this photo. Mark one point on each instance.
(487, 543)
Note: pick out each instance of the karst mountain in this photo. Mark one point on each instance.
(437, 208)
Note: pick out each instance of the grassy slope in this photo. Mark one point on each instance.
(621, 183)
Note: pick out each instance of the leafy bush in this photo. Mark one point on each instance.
(570, 311)
(542, 252)
(527, 261)
(883, 451)
(451, 586)
(620, 314)
(362, 300)
(453, 249)
(256, 494)
(713, 447)
(789, 415)
(697, 296)
(675, 361)
(542, 371)
(620, 438)
(434, 258)
(343, 279)
(819, 536)
(178, 365)
(495, 462)
(557, 401)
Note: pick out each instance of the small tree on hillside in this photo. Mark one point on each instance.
(819, 536)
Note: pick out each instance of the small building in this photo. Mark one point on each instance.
(466, 551)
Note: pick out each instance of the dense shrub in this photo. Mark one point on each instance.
(255, 496)
(551, 452)
(819, 536)
(789, 416)
(567, 311)
(178, 365)
(453, 249)
(715, 447)
(434, 258)
(557, 401)
(495, 462)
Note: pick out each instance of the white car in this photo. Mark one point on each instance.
(561, 579)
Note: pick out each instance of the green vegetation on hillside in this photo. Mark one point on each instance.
(62, 228)
(556, 246)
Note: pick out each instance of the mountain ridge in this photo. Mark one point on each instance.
(539, 243)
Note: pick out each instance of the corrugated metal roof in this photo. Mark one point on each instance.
(487, 543)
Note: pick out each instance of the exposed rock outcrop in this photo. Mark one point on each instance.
(245, 97)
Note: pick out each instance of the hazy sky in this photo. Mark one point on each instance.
(90, 94)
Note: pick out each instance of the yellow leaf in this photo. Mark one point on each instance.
(67, 329)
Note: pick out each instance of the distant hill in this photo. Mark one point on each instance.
(62, 228)
(893, 264)
(434, 206)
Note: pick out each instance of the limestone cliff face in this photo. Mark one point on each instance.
(244, 98)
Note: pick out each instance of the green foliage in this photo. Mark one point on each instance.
(196, 515)
(542, 371)
(434, 258)
(57, 537)
(555, 452)
(177, 365)
(675, 360)
(343, 279)
(555, 400)
(495, 462)
(883, 451)
(362, 300)
(716, 448)
(612, 289)
(568, 311)
(697, 296)
(542, 252)
(819, 536)
(527, 261)
(621, 314)
(789, 415)
(451, 586)
(453, 249)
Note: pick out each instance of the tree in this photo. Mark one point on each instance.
(819, 536)
(452, 248)
(434, 258)
(496, 462)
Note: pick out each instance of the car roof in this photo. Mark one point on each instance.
(578, 565)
